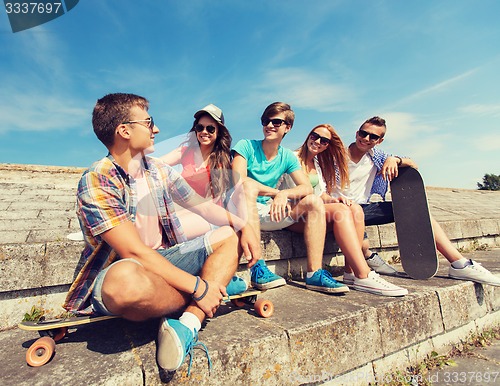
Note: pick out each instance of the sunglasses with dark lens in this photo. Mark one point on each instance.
(276, 122)
(150, 121)
(363, 134)
(322, 140)
(199, 128)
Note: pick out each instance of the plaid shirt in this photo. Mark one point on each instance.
(106, 198)
(380, 186)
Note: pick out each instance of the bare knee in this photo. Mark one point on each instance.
(250, 188)
(313, 203)
(337, 213)
(357, 213)
(224, 234)
(125, 285)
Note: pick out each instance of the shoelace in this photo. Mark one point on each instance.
(190, 350)
(327, 276)
(263, 271)
(381, 281)
(478, 266)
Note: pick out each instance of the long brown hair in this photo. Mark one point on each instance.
(219, 161)
(333, 160)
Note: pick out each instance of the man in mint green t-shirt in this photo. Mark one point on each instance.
(259, 165)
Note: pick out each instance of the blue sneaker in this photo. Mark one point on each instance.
(236, 286)
(262, 278)
(175, 341)
(323, 281)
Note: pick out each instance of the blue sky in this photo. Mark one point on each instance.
(430, 68)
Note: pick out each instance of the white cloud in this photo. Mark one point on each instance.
(436, 88)
(404, 126)
(305, 89)
(37, 112)
(482, 109)
(486, 143)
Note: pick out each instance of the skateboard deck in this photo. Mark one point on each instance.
(53, 330)
(413, 225)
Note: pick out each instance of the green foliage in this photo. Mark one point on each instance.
(418, 374)
(36, 314)
(490, 182)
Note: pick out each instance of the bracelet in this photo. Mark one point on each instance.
(400, 160)
(203, 294)
(196, 285)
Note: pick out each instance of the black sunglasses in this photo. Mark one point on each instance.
(210, 129)
(363, 134)
(276, 122)
(323, 140)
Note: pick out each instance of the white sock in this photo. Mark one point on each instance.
(190, 321)
(462, 263)
(310, 274)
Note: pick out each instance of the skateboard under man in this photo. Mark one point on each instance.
(413, 224)
(52, 331)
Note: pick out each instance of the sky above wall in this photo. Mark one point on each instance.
(430, 68)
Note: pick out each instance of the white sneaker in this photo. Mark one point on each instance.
(348, 278)
(376, 285)
(376, 263)
(475, 272)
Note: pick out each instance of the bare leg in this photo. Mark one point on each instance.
(311, 214)
(246, 204)
(347, 236)
(133, 292)
(443, 243)
(221, 264)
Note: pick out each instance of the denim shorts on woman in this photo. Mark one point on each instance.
(189, 256)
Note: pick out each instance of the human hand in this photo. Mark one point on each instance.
(280, 207)
(345, 201)
(390, 168)
(209, 298)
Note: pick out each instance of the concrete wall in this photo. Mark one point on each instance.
(38, 262)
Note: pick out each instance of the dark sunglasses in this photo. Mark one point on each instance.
(276, 122)
(210, 129)
(363, 134)
(150, 121)
(323, 140)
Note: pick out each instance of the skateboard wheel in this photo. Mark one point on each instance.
(238, 302)
(59, 333)
(40, 352)
(264, 308)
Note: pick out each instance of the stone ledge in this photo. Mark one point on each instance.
(310, 335)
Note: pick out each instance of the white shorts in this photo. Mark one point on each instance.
(266, 224)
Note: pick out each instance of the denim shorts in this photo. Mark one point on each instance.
(188, 256)
(378, 213)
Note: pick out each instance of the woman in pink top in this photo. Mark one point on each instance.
(206, 163)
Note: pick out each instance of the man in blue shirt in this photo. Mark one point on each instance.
(259, 165)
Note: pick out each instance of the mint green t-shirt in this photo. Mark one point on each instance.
(313, 179)
(260, 169)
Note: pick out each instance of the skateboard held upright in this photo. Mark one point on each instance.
(413, 224)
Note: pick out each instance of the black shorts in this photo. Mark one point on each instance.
(378, 213)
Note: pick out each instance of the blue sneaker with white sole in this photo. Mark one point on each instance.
(262, 278)
(323, 281)
(175, 341)
(236, 286)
